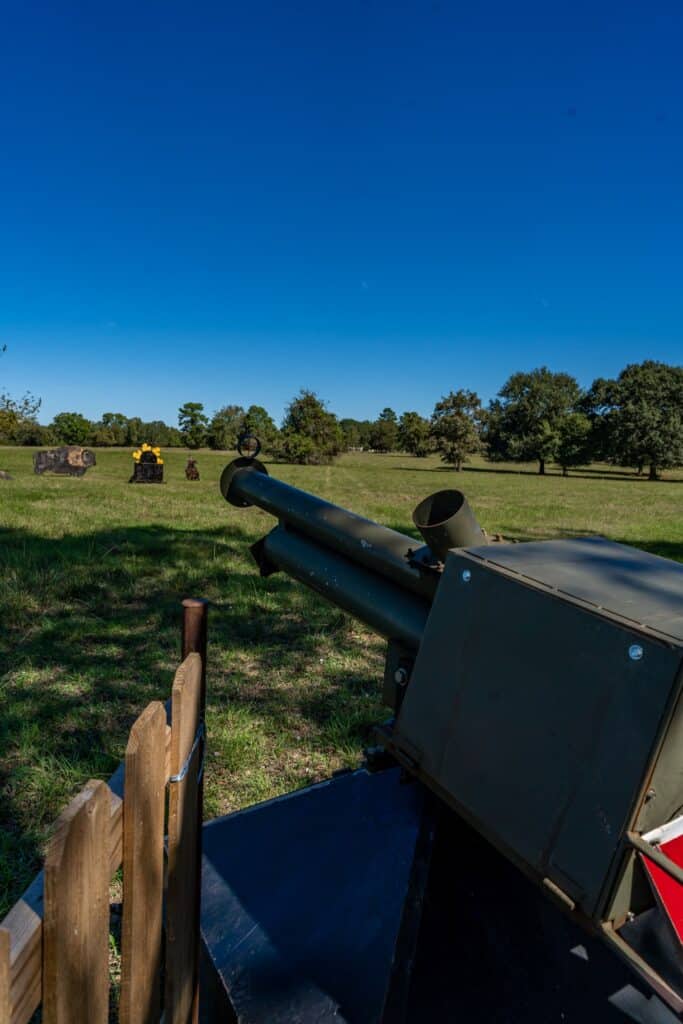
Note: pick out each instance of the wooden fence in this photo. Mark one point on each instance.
(54, 943)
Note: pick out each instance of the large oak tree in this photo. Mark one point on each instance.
(524, 422)
(638, 418)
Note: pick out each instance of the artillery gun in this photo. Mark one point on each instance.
(536, 710)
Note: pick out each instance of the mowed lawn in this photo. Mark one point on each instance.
(92, 573)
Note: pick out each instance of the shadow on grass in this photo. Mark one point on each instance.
(584, 473)
(91, 634)
(664, 548)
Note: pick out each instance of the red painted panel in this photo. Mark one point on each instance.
(667, 890)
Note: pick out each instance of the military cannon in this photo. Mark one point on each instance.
(537, 707)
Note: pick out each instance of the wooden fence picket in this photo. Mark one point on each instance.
(54, 942)
(182, 904)
(5, 976)
(76, 922)
(144, 801)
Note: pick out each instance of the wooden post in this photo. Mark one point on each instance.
(144, 802)
(195, 620)
(76, 923)
(4, 976)
(184, 824)
(195, 615)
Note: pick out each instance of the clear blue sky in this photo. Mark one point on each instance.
(222, 202)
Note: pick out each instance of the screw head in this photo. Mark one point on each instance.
(466, 575)
(635, 652)
(400, 676)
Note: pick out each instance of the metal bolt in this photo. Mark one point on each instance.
(650, 795)
(635, 652)
(400, 677)
(466, 575)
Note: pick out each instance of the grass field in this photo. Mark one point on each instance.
(92, 573)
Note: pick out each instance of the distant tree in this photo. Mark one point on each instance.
(258, 422)
(523, 423)
(192, 423)
(357, 433)
(384, 432)
(310, 434)
(225, 427)
(118, 430)
(135, 433)
(100, 436)
(595, 404)
(17, 418)
(455, 427)
(159, 433)
(71, 428)
(575, 441)
(414, 434)
(176, 438)
(115, 424)
(31, 433)
(351, 433)
(638, 418)
(365, 431)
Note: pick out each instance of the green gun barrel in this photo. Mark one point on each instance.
(246, 482)
(382, 577)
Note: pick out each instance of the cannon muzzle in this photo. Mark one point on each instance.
(381, 576)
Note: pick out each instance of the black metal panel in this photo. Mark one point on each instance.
(494, 950)
(302, 899)
(293, 929)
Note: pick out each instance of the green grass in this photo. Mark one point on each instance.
(92, 572)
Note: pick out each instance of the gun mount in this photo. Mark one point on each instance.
(537, 696)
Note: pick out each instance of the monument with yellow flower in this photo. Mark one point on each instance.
(148, 465)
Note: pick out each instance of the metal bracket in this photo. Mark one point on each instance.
(186, 766)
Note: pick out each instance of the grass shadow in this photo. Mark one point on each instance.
(91, 634)
(582, 473)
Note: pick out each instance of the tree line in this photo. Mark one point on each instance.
(635, 419)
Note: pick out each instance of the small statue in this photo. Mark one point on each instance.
(191, 471)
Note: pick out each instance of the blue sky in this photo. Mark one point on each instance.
(224, 202)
